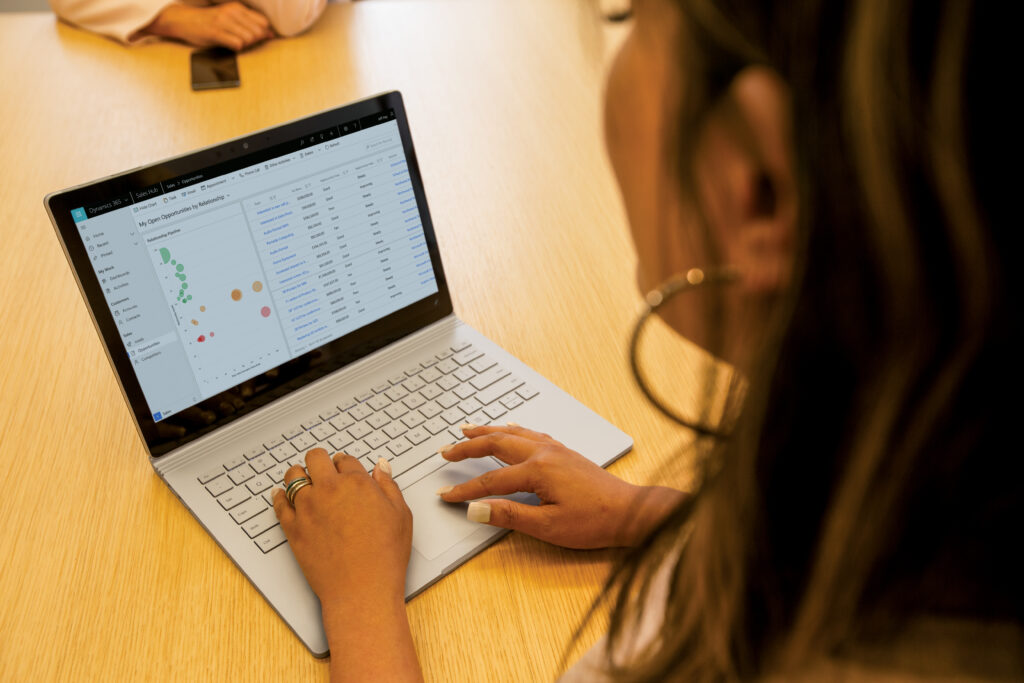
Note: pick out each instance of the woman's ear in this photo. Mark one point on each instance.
(744, 174)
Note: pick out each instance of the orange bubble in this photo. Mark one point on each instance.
(236, 294)
(202, 308)
(257, 286)
(195, 322)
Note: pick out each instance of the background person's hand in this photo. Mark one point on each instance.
(351, 532)
(581, 505)
(231, 24)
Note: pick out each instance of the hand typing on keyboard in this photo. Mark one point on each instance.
(351, 533)
(582, 505)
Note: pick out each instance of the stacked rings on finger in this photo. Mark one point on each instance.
(293, 487)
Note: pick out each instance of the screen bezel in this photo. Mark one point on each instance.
(339, 353)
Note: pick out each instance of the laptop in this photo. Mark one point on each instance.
(283, 291)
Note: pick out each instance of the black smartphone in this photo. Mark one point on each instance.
(214, 67)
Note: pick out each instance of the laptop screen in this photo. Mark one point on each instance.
(233, 283)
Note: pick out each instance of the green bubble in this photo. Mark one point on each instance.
(184, 285)
(180, 276)
(180, 268)
(165, 254)
(173, 262)
(188, 298)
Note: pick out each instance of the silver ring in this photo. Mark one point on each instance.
(293, 488)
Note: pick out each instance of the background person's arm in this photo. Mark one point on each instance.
(118, 19)
(290, 17)
(230, 24)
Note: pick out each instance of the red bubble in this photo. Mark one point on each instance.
(265, 311)
(211, 335)
(201, 338)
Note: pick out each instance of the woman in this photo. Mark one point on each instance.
(830, 168)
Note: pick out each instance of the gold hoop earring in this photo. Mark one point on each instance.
(694, 278)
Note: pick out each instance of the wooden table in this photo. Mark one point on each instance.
(104, 575)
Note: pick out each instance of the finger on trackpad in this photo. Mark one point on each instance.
(438, 525)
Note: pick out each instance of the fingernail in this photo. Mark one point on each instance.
(444, 449)
(468, 425)
(444, 489)
(479, 512)
(384, 466)
(512, 424)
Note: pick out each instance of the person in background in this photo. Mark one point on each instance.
(203, 23)
(832, 176)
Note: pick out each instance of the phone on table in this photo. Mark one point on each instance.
(214, 67)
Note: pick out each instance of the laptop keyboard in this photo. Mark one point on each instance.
(391, 421)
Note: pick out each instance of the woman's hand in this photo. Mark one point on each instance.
(230, 24)
(582, 505)
(352, 534)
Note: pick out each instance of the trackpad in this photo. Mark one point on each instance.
(438, 525)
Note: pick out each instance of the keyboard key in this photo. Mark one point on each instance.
(381, 388)
(270, 539)
(444, 354)
(339, 441)
(479, 418)
(343, 421)
(211, 474)
(464, 374)
(219, 486)
(431, 391)
(272, 443)
(358, 449)
(453, 415)
(241, 475)
(364, 396)
(304, 441)
(427, 363)
(346, 406)
(397, 378)
(447, 383)
(448, 365)
(292, 433)
(269, 497)
(498, 389)
(396, 410)
(459, 346)
(361, 412)
(456, 433)
(467, 355)
(486, 379)
(430, 409)
(512, 401)
(464, 391)
(470, 405)
(414, 384)
(329, 414)
(435, 425)
(359, 430)
(396, 393)
(253, 452)
(412, 370)
(309, 424)
(375, 440)
(378, 420)
(409, 459)
(262, 463)
(283, 452)
(276, 473)
(259, 484)
(418, 435)
(366, 463)
(412, 419)
(399, 446)
(233, 462)
(260, 523)
(527, 392)
(248, 509)
(232, 498)
(481, 364)
(393, 430)
(495, 411)
(322, 431)
(414, 401)
(379, 402)
(448, 400)
(430, 375)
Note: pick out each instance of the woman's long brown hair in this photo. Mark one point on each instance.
(872, 476)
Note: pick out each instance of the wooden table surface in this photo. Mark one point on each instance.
(104, 575)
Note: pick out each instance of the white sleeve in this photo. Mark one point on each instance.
(290, 17)
(117, 19)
